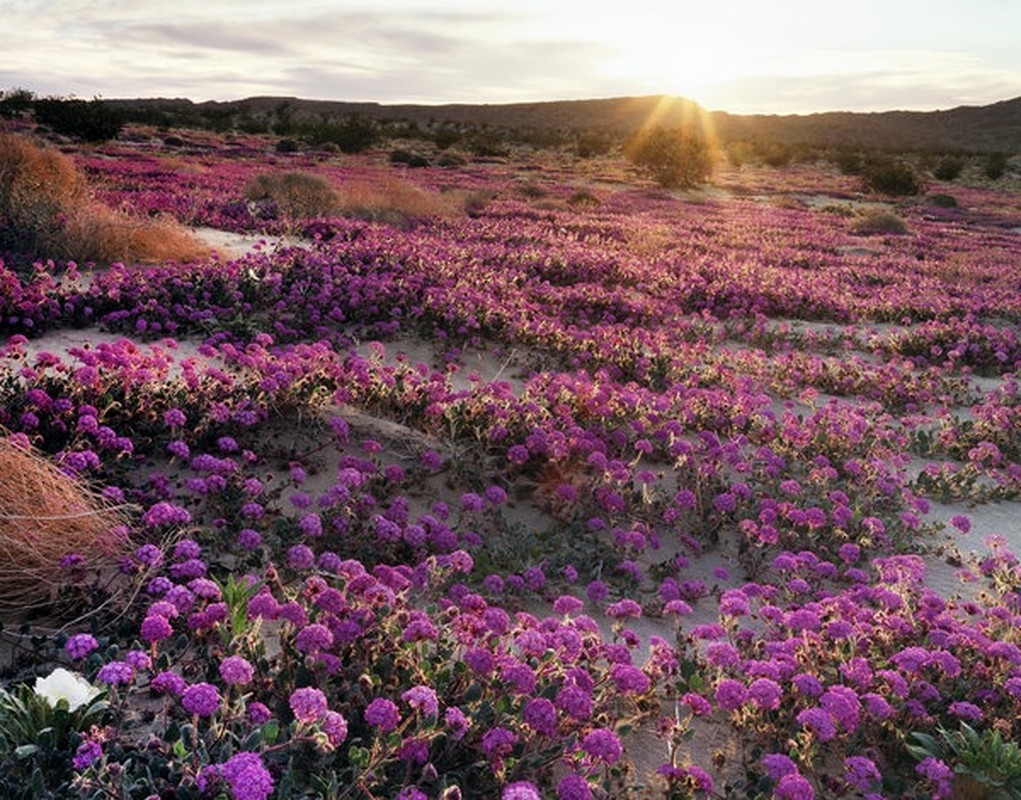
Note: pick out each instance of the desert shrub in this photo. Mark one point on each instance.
(15, 102)
(287, 146)
(775, 154)
(583, 197)
(949, 168)
(673, 157)
(590, 145)
(451, 160)
(445, 137)
(408, 158)
(298, 194)
(849, 162)
(531, 190)
(89, 120)
(891, 177)
(45, 207)
(487, 144)
(996, 166)
(172, 140)
(875, 221)
(352, 134)
(941, 200)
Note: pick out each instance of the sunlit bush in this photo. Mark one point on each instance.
(891, 177)
(673, 157)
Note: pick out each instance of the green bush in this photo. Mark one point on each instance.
(89, 120)
(287, 146)
(849, 162)
(408, 158)
(943, 200)
(673, 157)
(891, 177)
(996, 165)
(353, 134)
(949, 168)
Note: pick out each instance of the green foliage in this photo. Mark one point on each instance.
(949, 168)
(996, 166)
(37, 741)
(352, 134)
(943, 200)
(15, 102)
(673, 157)
(408, 158)
(849, 162)
(590, 145)
(287, 146)
(890, 177)
(982, 758)
(89, 120)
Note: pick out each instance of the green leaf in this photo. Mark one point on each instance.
(270, 731)
(25, 751)
(179, 749)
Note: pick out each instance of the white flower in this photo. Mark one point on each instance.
(64, 685)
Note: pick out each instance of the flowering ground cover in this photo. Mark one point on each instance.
(601, 493)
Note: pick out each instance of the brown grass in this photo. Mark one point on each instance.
(298, 194)
(385, 198)
(45, 200)
(46, 515)
(877, 221)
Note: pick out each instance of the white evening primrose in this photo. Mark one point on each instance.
(61, 684)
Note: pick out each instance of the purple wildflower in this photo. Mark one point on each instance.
(308, 704)
(202, 699)
(602, 743)
(383, 713)
(80, 645)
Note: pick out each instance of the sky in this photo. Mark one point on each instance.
(742, 56)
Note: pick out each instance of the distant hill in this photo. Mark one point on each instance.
(995, 127)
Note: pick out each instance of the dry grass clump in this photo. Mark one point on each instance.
(390, 199)
(876, 221)
(302, 195)
(48, 522)
(45, 207)
(297, 194)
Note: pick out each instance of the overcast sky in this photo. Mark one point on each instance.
(744, 56)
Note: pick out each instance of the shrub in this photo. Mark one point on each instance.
(45, 207)
(298, 194)
(590, 145)
(949, 168)
(287, 146)
(891, 177)
(849, 162)
(91, 121)
(451, 160)
(996, 166)
(583, 197)
(943, 200)
(406, 157)
(877, 221)
(673, 157)
(353, 134)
